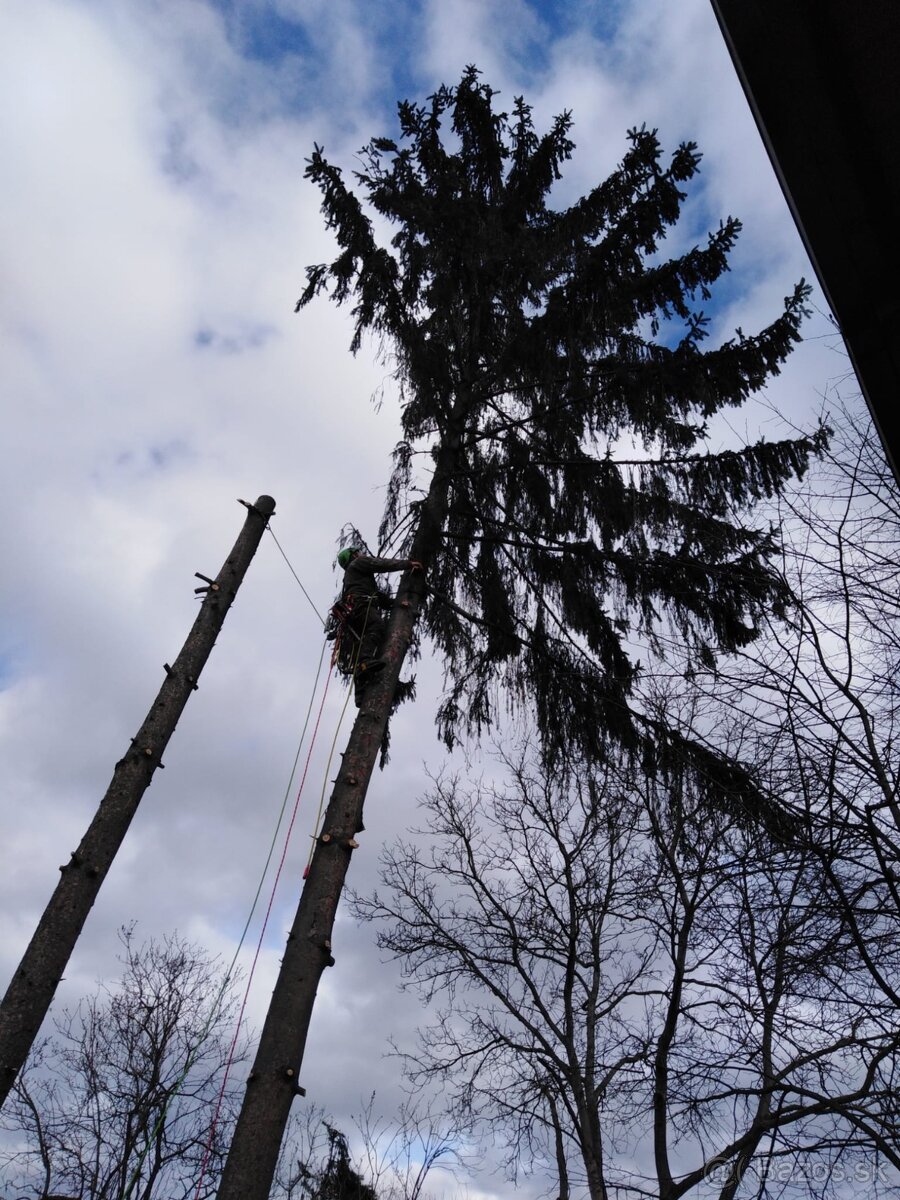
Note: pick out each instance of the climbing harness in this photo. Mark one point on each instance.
(347, 639)
(342, 629)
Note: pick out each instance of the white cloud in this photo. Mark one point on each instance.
(154, 192)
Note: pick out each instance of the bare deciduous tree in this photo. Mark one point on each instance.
(824, 688)
(656, 1001)
(119, 1099)
(399, 1154)
(393, 1159)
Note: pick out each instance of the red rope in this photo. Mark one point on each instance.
(230, 1060)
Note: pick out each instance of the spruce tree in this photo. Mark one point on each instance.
(340, 1180)
(531, 345)
(536, 343)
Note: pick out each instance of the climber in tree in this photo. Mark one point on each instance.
(362, 602)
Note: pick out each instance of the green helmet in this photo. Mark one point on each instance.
(346, 556)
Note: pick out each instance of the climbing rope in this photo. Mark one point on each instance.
(296, 576)
(315, 832)
(340, 631)
(334, 658)
(262, 933)
(229, 974)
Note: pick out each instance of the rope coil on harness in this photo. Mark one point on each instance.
(339, 628)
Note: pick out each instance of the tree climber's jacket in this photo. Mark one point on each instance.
(359, 577)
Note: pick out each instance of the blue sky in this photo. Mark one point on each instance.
(275, 34)
(156, 227)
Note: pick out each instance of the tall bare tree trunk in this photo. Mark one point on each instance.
(35, 981)
(273, 1082)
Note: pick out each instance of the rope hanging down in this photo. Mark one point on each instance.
(262, 932)
(340, 631)
(229, 974)
(334, 657)
(342, 628)
(297, 577)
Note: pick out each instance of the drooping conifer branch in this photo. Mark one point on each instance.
(547, 322)
(527, 349)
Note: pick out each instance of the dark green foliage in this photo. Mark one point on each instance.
(583, 510)
(405, 690)
(339, 1180)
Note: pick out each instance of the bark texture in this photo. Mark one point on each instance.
(34, 983)
(273, 1082)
